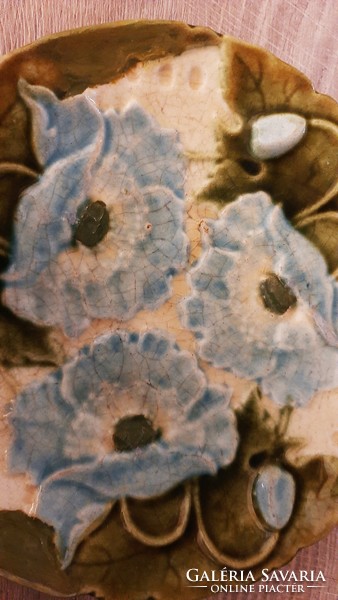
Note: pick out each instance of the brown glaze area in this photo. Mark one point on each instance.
(70, 62)
(304, 180)
(115, 565)
(27, 547)
(323, 232)
(15, 146)
(298, 180)
(23, 343)
(13, 180)
(257, 82)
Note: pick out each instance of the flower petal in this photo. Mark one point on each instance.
(120, 375)
(290, 354)
(63, 429)
(45, 219)
(60, 128)
(137, 170)
(73, 508)
(39, 420)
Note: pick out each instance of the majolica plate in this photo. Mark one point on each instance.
(169, 311)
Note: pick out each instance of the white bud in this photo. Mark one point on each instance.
(276, 134)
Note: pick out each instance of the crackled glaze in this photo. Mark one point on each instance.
(64, 429)
(291, 355)
(173, 259)
(136, 169)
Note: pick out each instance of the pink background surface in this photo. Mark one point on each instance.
(302, 32)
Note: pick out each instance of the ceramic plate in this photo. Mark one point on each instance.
(169, 311)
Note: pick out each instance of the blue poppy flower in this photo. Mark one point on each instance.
(263, 304)
(100, 235)
(129, 416)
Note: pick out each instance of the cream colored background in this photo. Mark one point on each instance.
(301, 32)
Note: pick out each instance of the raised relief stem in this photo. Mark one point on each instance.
(166, 538)
(8, 167)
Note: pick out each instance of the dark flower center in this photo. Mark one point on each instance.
(277, 296)
(134, 432)
(92, 224)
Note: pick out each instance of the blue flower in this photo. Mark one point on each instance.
(101, 233)
(263, 304)
(129, 416)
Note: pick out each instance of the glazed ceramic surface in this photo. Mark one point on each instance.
(169, 310)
